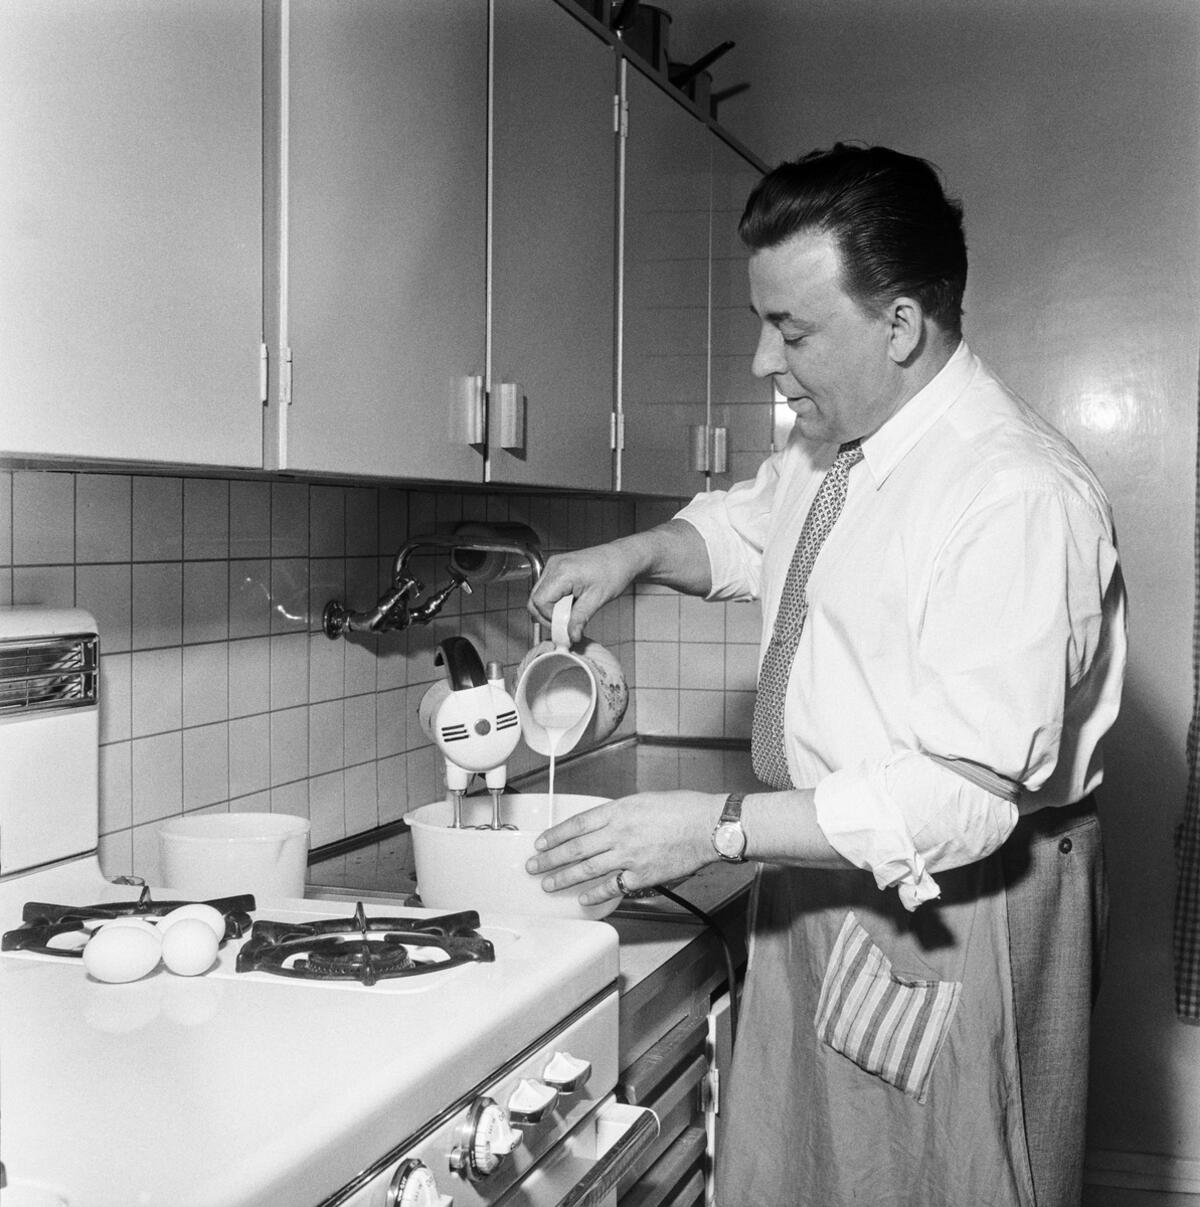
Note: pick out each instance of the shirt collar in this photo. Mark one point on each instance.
(885, 449)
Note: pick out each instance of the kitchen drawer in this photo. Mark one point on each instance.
(679, 1106)
(643, 1081)
(679, 989)
(676, 1179)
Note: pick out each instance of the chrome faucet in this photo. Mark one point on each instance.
(399, 606)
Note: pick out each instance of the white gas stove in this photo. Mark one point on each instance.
(486, 1080)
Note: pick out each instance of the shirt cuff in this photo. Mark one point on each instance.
(863, 824)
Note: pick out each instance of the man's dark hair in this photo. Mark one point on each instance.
(897, 232)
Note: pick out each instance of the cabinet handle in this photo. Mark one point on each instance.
(719, 459)
(473, 403)
(708, 448)
(698, 447)
(511, 401)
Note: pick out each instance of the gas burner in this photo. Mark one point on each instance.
(364, 949)
(63, 930)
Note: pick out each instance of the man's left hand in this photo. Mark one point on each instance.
(648, 839)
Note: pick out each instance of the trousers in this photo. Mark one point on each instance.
(1057, 896)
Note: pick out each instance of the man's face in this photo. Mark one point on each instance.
(826, 355)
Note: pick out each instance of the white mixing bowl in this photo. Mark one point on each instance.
(207, 855)
(484, 869)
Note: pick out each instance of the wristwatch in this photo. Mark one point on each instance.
(728, 837)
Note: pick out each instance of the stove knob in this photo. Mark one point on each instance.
(530, 1102)
(485, 1139)
(413, 1185)
(566, 1073)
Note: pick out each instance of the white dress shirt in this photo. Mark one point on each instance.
(967, 605)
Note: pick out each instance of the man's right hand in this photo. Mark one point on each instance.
(672, 554)
(593, 576)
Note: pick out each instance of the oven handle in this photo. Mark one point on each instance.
(623, 1133)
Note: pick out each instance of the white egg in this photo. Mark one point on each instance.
(197, 909)
(118, 953)
(189, 947)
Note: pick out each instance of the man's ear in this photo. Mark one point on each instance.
(906, 330)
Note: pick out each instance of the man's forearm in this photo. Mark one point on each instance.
(671, 555)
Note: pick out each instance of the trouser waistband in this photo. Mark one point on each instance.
(1055, 818)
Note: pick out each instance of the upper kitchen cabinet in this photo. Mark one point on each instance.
(381, 119)
(554, 189)
(665, 293)
(693, 416)
(131, 228)
(740, 405)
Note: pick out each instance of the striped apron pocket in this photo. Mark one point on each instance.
(888, 1023)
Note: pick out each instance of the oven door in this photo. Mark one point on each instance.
(585, 1168)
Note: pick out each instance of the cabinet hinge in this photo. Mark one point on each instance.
(616, 431)
(620, 116)
(285, 378)
(263, 363)
(710, 1092)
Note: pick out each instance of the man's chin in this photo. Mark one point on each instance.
(810, 423)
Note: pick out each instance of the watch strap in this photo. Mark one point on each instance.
(733, 808)
(729, 826)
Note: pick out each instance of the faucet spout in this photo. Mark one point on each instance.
(397, 608)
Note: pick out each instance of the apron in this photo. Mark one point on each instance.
(877, 1051)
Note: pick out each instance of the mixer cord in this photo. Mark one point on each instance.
(730, 970)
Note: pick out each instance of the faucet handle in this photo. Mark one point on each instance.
(433, 605)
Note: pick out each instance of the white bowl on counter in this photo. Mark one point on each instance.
(208, 855)
(484, 869)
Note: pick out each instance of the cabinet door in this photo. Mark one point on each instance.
(740, 408)
(131, 228)
(553, 250)
(384, 142)
(664, 378)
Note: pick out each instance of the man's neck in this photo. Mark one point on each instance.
(929, 361)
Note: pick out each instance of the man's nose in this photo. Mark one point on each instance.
(768, 356)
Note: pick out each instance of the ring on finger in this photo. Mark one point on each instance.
(634, 893)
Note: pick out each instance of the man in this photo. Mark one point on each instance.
(943, 651)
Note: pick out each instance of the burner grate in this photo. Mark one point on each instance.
(43, 923)
(364, 949)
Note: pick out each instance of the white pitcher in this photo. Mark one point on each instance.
(567, 692)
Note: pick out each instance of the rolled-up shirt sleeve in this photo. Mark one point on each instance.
(733, 525)
(907, 817)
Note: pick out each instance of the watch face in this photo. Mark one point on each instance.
(730, 840)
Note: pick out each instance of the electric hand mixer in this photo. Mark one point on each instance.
(474, 722)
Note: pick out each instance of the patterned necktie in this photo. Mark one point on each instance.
(766, 742)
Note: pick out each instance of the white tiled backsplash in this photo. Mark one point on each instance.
(219, 690)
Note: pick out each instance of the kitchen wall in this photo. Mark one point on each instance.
(1070, 130)
(219, 691)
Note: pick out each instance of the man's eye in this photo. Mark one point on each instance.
(793, 341)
